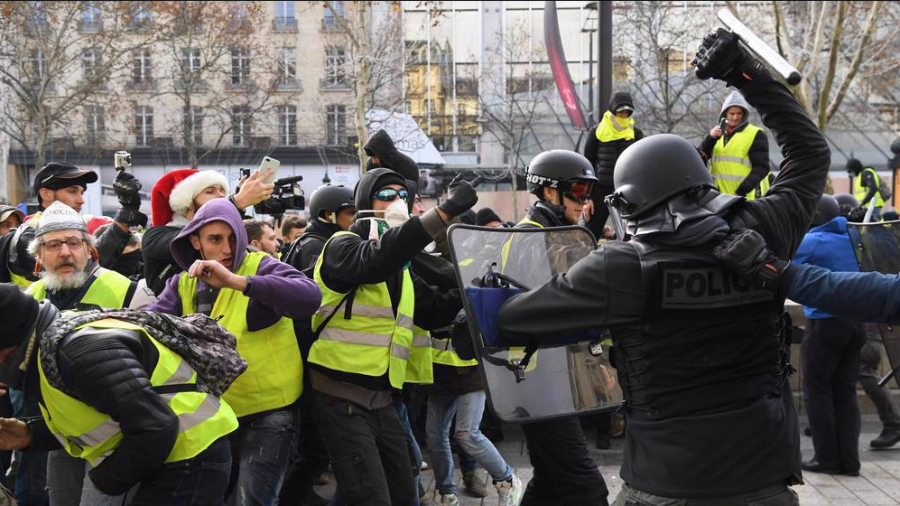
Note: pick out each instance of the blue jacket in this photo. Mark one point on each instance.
(863, 296)
(828, 246)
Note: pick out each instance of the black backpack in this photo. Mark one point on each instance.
(294, 254)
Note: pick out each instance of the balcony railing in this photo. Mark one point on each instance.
(330, 24)
(90, 25)
(284, 25)
(334, 84)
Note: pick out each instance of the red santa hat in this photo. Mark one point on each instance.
(174, 193)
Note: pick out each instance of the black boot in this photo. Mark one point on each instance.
(887, 439)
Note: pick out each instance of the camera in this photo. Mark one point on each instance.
(122, 160)
(287, 195)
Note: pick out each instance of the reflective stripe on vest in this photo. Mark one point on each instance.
(730, 163)
(274, 375)
(860, 191)
(372, 341)
(420, 368)
(444, 354)
(89, 434)
(108, 290)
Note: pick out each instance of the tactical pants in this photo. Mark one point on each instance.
(830, 355)
(369, 452)
(564, 472)
(776, 495)
(869, 377)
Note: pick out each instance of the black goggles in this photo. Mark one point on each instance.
(579, 191)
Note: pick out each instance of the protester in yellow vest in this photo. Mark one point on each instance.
(255, 297)
(370, 304)
(739, 155)
(114, 392)
(867, 186)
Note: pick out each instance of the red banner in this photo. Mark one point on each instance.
(560, 68)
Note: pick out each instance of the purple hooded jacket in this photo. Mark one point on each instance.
(277, 290)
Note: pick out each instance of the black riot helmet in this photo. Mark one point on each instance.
(655, 169)
(827, 210)
(846, 202)
(331, 198)
(567, 171)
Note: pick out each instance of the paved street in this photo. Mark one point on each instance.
(878, 484)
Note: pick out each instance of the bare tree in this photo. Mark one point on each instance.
(59, 57)
(513, 98)
(222, 74)
(668, 98)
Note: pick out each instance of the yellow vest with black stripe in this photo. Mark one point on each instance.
(730, 163)
(108, 290)
(274, 375)
(860, 191)
(91, 435)
(373, 341)
(444, 354)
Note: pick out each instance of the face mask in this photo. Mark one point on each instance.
(128, 264)
(397, 213)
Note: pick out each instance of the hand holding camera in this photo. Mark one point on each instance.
(127, 188)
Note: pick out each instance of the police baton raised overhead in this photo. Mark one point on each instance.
(762, 51)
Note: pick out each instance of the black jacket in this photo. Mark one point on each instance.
(595, 294)
(110, 371)
(603, 155)
(159, 264)
(759, 157)
(350, 261)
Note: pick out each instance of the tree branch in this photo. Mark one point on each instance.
(832, 64)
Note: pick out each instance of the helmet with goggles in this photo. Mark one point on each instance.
(566, 171)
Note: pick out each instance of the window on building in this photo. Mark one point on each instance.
(334, 66)
(287, 125)
(143, 125)
(240, 66)
(38, 65)
(190, 60)
(141, 70)
(330, 20)
(284, 11)
(240, 125)
(193, 124)
(95, 124)
(90, 63)
(287, 64)
(90, 17)
(140, 16)
(335, 125)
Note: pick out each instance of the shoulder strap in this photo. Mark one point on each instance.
(348, 297)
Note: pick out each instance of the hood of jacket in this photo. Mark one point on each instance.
(735, 99)
(214, 210)
(837, 225)
(618, 99)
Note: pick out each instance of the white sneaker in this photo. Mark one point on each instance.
(510, 492)
(448, 500)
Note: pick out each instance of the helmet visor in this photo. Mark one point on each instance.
(579, 191)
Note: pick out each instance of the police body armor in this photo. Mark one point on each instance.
(699, 373)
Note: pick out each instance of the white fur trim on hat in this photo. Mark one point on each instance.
(182, 196)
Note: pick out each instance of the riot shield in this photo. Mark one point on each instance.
(565, 374)
(877, 247)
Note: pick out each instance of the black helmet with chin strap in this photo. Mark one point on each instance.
(559, 169)
(330, 197)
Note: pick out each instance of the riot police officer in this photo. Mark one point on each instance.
(701, 353)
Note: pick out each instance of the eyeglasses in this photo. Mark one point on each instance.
(71, 242)
(390, 195)
(579, 191)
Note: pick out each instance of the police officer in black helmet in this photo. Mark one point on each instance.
(564, 472)
(702, 354)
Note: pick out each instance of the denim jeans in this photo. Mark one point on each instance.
(775, 495)
(261, 450)
(415, 451)
(200, 481)
(31, 474)
(468, 409)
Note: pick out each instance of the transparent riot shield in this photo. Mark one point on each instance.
(565, 374)
(877, 247)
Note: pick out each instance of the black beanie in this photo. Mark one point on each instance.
(485, 216)
(468, 217)
(19, 311)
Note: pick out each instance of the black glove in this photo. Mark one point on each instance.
(745, 252)
(131, 216)
(461, 196)
(857, 215)
(723, 56)
(127, 188)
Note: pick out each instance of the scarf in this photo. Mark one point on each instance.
(614, 128)
(198, 339)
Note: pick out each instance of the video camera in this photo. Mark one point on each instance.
(286, 195)
(122, 160)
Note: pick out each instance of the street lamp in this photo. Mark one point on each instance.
(326, 179)
(590, 27)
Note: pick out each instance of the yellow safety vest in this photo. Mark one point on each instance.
(373, 341)
(504, 253)
(444, 354)
(274, 375)
(611, 128)
(21, 281)
(860, 191)
(420, 368)
(108, 290)
(730, 163)
(91, 435)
